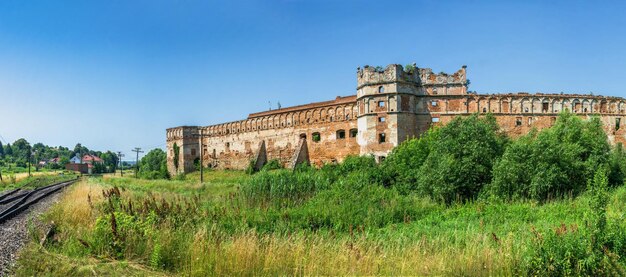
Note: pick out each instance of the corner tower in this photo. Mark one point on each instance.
(397, 103)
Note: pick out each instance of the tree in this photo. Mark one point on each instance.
(1, 150)
(154, 165)
(110, 160)
(8, 150)
(62, 162)
(554, 162)
(460, 160)
(80, 150)
(21, 151)
(402, 166)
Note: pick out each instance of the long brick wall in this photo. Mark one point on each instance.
(390, 106)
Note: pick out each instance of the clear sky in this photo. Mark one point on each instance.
(115, 74)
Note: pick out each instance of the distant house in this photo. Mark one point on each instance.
(54, 160)
(91, 159)
(84, 165)
(75, 160)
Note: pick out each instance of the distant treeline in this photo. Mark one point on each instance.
(17, 155)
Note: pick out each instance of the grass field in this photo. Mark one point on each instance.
(125, 226)
(38, 179)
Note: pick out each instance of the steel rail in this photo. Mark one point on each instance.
(22, 203)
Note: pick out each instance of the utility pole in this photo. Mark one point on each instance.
(30, 152)
(119, 157)
(137, 150)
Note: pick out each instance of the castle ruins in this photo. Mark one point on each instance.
(391, 105)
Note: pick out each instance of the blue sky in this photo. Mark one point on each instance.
(115, 74)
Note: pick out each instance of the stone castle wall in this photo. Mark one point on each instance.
(390, 106)
(233, 145)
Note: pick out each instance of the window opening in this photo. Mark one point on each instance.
(353, 133)
(341, 134)
(316, 137)
(381, 138)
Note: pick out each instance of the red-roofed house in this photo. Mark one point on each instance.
(87, 159)
(91, 159)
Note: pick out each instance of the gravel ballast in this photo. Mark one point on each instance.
(14, 232)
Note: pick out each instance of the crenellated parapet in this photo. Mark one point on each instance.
(341, 109)
(181, 132)
(393, 73)
(542, 103)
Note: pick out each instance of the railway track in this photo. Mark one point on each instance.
(16, 201)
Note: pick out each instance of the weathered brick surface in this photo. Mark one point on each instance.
(391, 105)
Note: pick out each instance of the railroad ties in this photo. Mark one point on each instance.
(18, 200)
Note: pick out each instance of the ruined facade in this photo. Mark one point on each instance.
(390, 106)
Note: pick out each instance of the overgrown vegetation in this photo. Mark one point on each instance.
(462, 199)
(35, 181)
(154, 165)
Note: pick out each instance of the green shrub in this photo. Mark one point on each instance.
(357, 163)
(154, 165)
(555, 162)
(180, 177)
(272, 165)
(402, 166)
(250, 168)
(617, 165)
(460, 159)
(284, 188)
(595, 250)
(354, 202)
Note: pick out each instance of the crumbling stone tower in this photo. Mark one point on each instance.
(395, 104)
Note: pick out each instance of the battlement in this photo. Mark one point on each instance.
(181, 132)
(369, 75)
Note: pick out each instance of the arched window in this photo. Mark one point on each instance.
(381, 89)
(341, 134)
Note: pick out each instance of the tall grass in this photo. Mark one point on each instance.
(139, 227)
